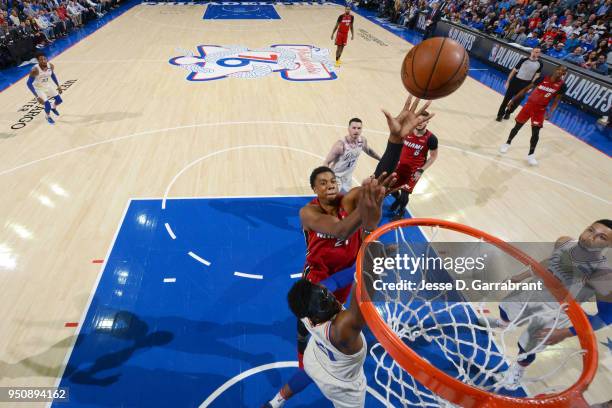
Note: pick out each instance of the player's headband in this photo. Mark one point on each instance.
(322, 305)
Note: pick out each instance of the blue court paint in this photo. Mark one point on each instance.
(568, 117)
(145, 342)
(241, 12)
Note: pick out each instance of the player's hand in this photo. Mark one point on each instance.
(332, 37)
(556, 336)
(387, 181)
(371, 197)
(40, 100)
(59, 90)
(510, 105)
(409, 118)
(506, 84)
(416, 176)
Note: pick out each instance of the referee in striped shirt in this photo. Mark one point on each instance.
(526, 71)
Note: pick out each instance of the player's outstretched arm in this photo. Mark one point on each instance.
(408, 119)
(400, 126)
(349, 323)
(351, 200)
(336, 151)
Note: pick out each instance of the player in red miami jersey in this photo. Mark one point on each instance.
(549, 88)
(419, 152)
(343, 25)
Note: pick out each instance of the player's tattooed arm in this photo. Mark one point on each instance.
(369, 151)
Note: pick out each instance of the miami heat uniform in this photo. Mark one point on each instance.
(345, 21)
(540, 97)
(326, 255)
(413, 157)
(344, 167)
(339, 376)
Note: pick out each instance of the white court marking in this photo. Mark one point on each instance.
(170, 232)
(198, 258)
(270, 122)
(255, 370)
(169, 280)
(295, 275)
(215, 153)
(248, 275)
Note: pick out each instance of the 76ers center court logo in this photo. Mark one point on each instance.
(294, 62)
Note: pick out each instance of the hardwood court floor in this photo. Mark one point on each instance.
(131, 122)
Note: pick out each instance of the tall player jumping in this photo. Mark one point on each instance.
(549, 88)
(344, 154)
(582, 267)
(39, 82)
(332, 222)
(343, 25)
(420, 151)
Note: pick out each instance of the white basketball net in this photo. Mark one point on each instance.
(476, 354)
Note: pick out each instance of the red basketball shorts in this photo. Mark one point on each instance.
(341, 38)
(405, 178)
(533, 112)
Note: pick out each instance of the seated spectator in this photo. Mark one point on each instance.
(567, 18)
(547, 45)
(588, 40)
(601, 65)
(518, 36)
(599, 28)
(14, 17)
(555, 34)
(531, 41)
(533, 22)
(590, 60)
(477, 24)
(44, 26)
(557, 51)
(573, 29)
(604, 8)
(551, 22)
(572, 42)
(602, 47)
(575, 57)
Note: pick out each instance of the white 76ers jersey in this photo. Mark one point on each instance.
(43, 79)
(347, 162)
(341, 366)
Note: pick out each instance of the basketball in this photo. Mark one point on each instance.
(435, 68)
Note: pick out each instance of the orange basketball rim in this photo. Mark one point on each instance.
(452, 389)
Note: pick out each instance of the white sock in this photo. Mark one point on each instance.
(278, 401)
